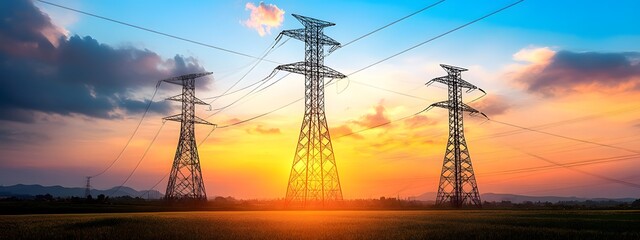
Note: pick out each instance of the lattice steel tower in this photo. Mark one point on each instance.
(314, 174)
(87, 188)
(185, 180)
(457, 181)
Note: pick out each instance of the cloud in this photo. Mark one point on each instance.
(553, 73)
(419, 121)
(264, 17)
(15, 136)
(234, 121)
(373, 119)
(266, 131)
(345, 131)
(492, 105)
(75, 75)
(534, 55)
(369, 120)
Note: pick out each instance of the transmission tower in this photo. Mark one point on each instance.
(314, 174)
(87, 189)
(185, 180)
(457, 181)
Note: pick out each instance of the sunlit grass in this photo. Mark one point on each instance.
(328, 225)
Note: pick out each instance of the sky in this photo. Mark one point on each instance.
(75, 87)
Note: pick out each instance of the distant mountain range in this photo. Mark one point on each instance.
(496, 197)
(22, 190)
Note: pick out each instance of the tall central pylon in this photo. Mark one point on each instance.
(457, 181)
(314, 177)
(185, 180)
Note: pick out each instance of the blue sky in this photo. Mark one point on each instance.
(578, 26)
(566, 25)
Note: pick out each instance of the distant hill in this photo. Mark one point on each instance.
(497, 197)
(21, 190)
(427, 197)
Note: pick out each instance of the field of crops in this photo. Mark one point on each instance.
(436, 224)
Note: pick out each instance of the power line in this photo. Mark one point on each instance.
(239, 90)
(267, 52)
(566, 137)
(262, 82)
(401, 52)
(387, 90)
(439, 36)
(156, 184)
(135, 130)
(348, 43)
(141, 158)
(252, 92)
(259, 116)
(207, 136)
(513, 125)
(570, 164)
(555, 150)
(154, 31)
(614, 180)
(391, 23)
(167, 174)
(563, 122)
(383, 124)
(571, 187)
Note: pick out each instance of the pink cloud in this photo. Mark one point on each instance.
(264, 17)
(419, 121)
(234, 121)
(261, 130)
(492, 105)
(344, 131)
(375, 119)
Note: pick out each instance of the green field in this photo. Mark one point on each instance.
(435, 224)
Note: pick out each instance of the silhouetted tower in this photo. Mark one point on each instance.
(457, 181)
(314, 174)
(185, 180)
(87, 189)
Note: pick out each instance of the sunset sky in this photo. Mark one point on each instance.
(74, 88)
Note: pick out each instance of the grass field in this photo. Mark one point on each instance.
(436, 224)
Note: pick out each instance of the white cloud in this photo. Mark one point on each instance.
(264, 17)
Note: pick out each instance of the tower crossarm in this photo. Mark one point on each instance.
(464, 84)
(463, 107)
(443, 104)
(180, 98)
(293, 33)
(304, 67)
(312, 22)
(326, 40)
(175, 118)
(179, 118)
(450, 80)
(178, 80)
(452, 69)
(199, 120)
(444, 80)
(466, 108)
(300, 35)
